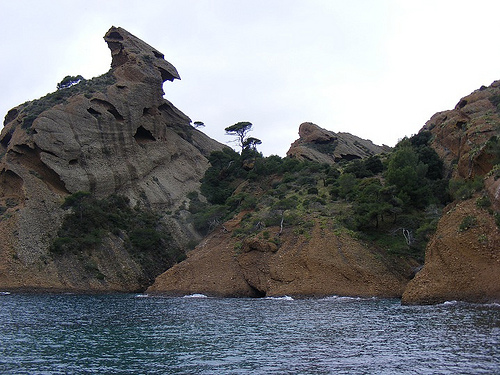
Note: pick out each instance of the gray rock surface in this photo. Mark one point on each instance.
(114, 134)
(325, 146)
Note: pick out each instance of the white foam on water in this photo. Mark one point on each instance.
(195, 295)
(342, 298)
(282, 298)
(4, 293)
(141, 295)
(465, 303)
(493, 304)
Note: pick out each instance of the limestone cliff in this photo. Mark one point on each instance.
(114, 134)
(462, 260)
(324, 146)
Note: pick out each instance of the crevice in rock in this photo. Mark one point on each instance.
(93, 112)
(158, 54)
(11, 115)
(115, 35)
(257, 293)
(6, 139)
(143, 135)
(109, 107)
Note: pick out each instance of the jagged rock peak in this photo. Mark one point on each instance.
(325, 146)
(127, 49)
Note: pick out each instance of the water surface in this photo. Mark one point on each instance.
(136, 334)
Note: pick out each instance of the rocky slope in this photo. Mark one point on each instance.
(325, 146)
(462, 261)
(320, 263)
(114, 134)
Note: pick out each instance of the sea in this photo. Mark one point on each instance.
(195, 334)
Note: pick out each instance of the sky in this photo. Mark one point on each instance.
(378, 69)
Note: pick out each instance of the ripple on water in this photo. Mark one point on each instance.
(124, 334)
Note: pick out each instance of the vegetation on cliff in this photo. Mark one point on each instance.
(392, 200)
(68, 87)
(89, 220)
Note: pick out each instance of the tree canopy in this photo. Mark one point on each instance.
(69, 81)
(240, 131)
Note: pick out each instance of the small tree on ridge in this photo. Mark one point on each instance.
(240, 131)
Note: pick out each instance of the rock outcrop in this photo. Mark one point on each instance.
(324, 146)
(462, 260)
(318, 264)
(114, 134)
(466, 137)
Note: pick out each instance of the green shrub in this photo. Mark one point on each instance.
(483, 202)
(467, 223)
(91, 219)
(465, 189)
(34, 108)
(286, 203)
(312, 190)
(497, 218)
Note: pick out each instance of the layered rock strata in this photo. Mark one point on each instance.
(325, 146)
(114, 134)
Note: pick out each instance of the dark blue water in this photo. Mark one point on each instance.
(128, 334)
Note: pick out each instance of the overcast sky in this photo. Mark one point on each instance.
(378, 69)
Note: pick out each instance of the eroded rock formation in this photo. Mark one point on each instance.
(466, 137)
(324, 146)
(114, 134)
(462, 261)
(322, 263)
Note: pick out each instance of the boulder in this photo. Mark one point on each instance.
(325, 146)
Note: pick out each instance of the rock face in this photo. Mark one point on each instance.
(323, 263)
(324, 146)
(466, 137)
(114, 134)
(462, 261)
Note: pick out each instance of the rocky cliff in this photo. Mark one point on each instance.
(466, 137)
(325, 146)
(321, 262)
(462, 261)
(114, 134)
